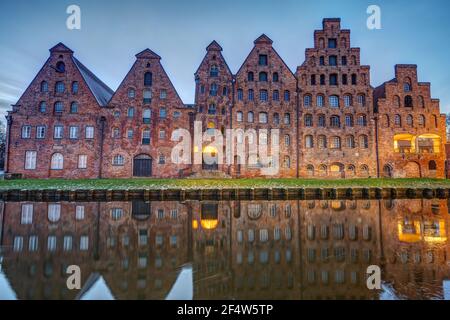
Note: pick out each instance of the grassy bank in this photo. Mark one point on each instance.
(126, 184)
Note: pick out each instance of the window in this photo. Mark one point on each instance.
(287, 140)
(213, 89)
(177, 114)
(333, 79)
(287, 162)
(67, 243)
(421, 102)
(397, 101)
(319, 101)
(79, 212)
(84, 243)
(421, 120)
(212, 109)
(262, 61)
(148, 79)
(397, 120)
(334, 101)
(263, 235)
(347, 100)
(18, 244)
(354, 79)
(59, 107)
(287, 118)
(344, 60)
(263, 95)
(44, 86)
(30, 160)
(408, 101)
(26, 132)
(162, 134)
(118, 160)
(82, 161)
(42, 106)
(350, 140)
(239, 116)
(54, 212)
(409, 120)
(276, 95)
(348, 120)
(59, 87)
(335, 122)
(224, 91)
(146, 115)
(361, 100)
(202, 89)
(250, 76)
(276, 118)
(321, 121)
(335, 143)
(309, 143)
(131, 93)
(116, 133)
(250, 117)
(406, 87)
(146, 136)
(263, 76)
(75, 87)
(73, 132)
(33, 243)
(51, 243)
(344, 79)
(275, 77)
(89, 132)
(60, 66)
(130, 133)
(332, 61)
(322, 79)
(240, 94)
(58, 133)
(147, 96)
(362, 120)
(307, 101)
(322, 60)
(57, 161)
(308, 120)
(322, 142)
(287, 96)
(313, 79)
(74, 107)
(262, 117)
(363, 142)
(332, 43)
(27, 214)
(251, 95)
(162, 113)
(213, 71)
(163, 94)
(162, 159)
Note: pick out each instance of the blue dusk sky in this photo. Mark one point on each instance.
(112, 32)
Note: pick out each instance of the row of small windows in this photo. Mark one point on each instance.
(333, 79)
(53, 212)
(264, 95)
(145, 136)
(58, 107)
(324, 170)
(214, 90)
(263, 76)
(58, 132)
(119, 160)
(33, 243)
(56, 162)
(333, 60)
(335, 121)
(60, 87)
(409, 101)
(263, 117)
(147, 94)
(335, 142)
(333, 100)
(148, 113)
(264, 234)
(421, 120)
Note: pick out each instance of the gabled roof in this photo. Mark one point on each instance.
(263, 39)
(100, 90)
(214, 46)
(147, 54)
(60, 47)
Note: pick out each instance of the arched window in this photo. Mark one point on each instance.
(263, 95)
(361, 100)
(308, 120)
(409, 120)
(421, 102)
(363, 142)
(335, 121)
(386, 121)
(148, 79)
(287, 140)
(214, 71)
(407, 85)
(287, 96)
(44, 86)
(275, 77)
(354, 62)
(239, 116)
(397, 101)
(75, 87)
(212, 109)
(335, 142)
(287, 118)
(130, 112)
(147, 96)
(351, 169)
(362, 120)
(313, 80)
(319, 100)
(146, 136)
(131, 93)
(387, 171)
(42, 106)
(350, 141)
(321, 121)
(354, 79)
(74, 107)
(334, 101)
(146, 115)
(364, 170)
(307, 100)
(276, 118)
(240, 94)
(251, 95)
(310, 170)
(287, 162)
(348, 120)
(432, 165)
(322, 170)
(321, 43)
(263, 117)
(115, 133)
(59, 107)
(275, 95)
(250, 117)
(347, 100)
(421, 120)
(60, 67)
(213, 89)
(322, 60)
(57, 161)
(59, 87)
(397, 120)
(263, 76)
(322, 79)
(309, 142)
(250, 76)
(322, 141)
(118, 160)
(408, 101)
(54, 212)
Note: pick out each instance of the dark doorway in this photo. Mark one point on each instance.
(142, 166)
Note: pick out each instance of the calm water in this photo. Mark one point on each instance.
(318, 249)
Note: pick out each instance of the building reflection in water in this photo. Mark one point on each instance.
(317, 249)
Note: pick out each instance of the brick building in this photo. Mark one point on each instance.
(326, 119)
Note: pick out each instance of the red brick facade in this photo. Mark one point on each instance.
(331, 122)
